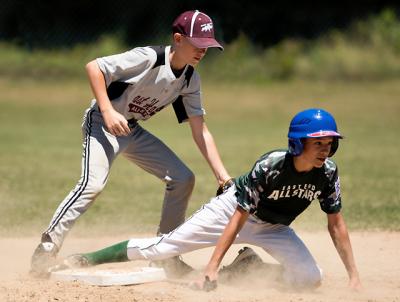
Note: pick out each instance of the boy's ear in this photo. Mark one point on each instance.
(177, 38)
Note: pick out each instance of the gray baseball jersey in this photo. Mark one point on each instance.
(140, 83)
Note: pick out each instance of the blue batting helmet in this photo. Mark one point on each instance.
(312, 123)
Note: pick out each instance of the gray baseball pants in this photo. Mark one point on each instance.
(100, 148)
(204, 228)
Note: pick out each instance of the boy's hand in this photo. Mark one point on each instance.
(116, 123)
(206, 284)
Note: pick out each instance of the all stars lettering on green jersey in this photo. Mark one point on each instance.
(273, 191)
(292, 192)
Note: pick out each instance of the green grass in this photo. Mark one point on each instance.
(40, 151)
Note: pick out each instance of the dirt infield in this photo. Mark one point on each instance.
(377, 256)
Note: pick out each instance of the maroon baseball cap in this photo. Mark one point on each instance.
(197, 27)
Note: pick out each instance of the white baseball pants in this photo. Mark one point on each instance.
(204, 228)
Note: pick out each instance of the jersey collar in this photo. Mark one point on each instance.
(168, 64)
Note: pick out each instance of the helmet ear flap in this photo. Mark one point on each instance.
(334, 146)
(295, 146)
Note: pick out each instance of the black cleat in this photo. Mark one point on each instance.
(174, 267)
(246, 259)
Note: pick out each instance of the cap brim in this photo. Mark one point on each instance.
(205, 43)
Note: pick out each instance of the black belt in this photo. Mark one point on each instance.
(132, 123)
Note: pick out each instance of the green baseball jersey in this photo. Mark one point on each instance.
(273, 191)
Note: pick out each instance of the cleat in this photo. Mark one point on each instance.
(174, 267)
(245, 260)
(71, 262)
(76, 261)
(43, 258)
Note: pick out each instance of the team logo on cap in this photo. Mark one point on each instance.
(206, 26)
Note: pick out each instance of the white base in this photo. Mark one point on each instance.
(108, 278)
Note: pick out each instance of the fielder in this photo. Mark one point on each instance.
(258, 210)
(130, 88)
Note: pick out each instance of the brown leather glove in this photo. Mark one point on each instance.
(225, 186)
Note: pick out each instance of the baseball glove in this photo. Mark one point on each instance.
(225, 186)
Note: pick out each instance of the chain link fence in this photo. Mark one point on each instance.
(58, 24)
(49, 24)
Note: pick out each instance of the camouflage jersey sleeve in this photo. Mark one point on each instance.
(330, 200)
(250, 186)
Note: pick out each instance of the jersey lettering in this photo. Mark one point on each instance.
(274, 195)
(143, 106)
(308, 192)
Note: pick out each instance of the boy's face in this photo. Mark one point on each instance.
(316, 150)
(187, 51)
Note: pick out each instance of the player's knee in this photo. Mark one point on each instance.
(185, 178)
(313, 278)
(189, 178)
(305, 278)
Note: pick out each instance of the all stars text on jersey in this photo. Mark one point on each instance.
(306, 191)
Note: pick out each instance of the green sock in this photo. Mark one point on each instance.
(114, 253)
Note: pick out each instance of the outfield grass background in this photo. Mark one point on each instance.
(40, 151)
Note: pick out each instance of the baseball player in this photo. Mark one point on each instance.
(130, 88)
(258, 210)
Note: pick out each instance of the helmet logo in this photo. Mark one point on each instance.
(304, 121)
(322, 133)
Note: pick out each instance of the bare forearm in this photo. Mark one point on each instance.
(114, 121)
(341, 240)
(222, 247)
(208, 148)
(340, 237)
(98, 85)
(225, 241)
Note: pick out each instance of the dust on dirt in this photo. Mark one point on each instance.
(376, 256)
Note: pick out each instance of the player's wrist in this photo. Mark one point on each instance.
(354, 274)
(211, 271)
(106, 109)
(224, 179)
